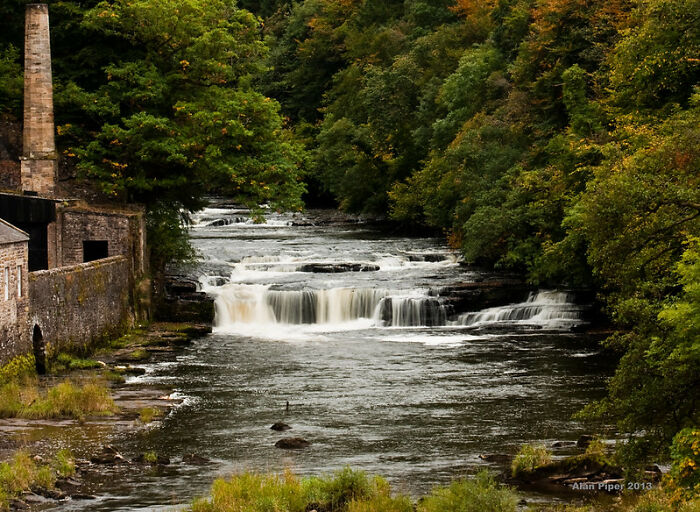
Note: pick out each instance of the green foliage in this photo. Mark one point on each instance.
(68, 362)
(529, 458)
(150, 457)
(148, 414)
(65, 400)
(18, 368)
(21, 473)
(11, 81)
(685, 452)
(481, 494)
(349, 491)
(656, 61)
(64, 463)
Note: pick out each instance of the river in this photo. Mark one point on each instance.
(378, 371)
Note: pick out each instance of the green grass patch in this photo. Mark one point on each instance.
(349, 491)
(22, 473)
(148, 414)
(480, 494)
(66, 362)
(137, 355)
(150, 457)
(529, 458)
(65, 400)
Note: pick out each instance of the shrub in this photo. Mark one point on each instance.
(64, 463)
(685, 452)
(481, 494)
(529, 458)
(68, 362)
(65, 400)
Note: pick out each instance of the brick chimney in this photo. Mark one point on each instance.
(39, 160)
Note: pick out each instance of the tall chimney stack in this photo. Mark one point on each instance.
(39, 160)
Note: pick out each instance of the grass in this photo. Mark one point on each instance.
(150, 457)
(22, 473)
(529, 458)
(65, 400)
(67, 362)
(660, 499)
(148, 414)
(349, 491)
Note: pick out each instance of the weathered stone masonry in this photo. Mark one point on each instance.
(39, 160)
(14, 338)
(78, 305)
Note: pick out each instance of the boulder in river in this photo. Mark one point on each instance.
(280, 427)
(292, 443)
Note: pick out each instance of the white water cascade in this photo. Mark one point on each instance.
(258, 304)
(553, 310)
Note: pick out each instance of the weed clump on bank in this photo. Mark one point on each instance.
(349, 491)
(22, 474)
(529, 458)
(65, 400)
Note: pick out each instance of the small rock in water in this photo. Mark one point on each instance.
(280, 427)
(292, 443)
(496, 457)
(193, 458)
(562, 444)
(109, 455)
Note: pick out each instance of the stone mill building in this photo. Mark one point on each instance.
(70, 270)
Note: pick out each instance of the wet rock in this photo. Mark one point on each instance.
(334, 268)
(109, 455)
(180, 300)
(159, 460)
(67, 484)
(130, 370)
(584, 441)
(498, 458)
(83, 497)
(292, 443)
(19, 505)
(475, 296)
(193, 458)
(432, 258)
(563, 444)
(280, 427)
(51, 494)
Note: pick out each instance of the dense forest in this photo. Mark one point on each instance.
(555, 138)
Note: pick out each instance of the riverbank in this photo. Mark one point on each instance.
(77, 412)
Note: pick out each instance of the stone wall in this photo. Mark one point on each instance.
(14, 334)
(124, 233)
(79, 305)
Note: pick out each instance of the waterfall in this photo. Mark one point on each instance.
(258, 304)
(411, 312)
(548, 309)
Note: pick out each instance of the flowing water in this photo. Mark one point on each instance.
(379, 370)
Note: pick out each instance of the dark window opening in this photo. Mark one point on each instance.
(95, 250)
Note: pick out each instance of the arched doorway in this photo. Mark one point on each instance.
(39, 350)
